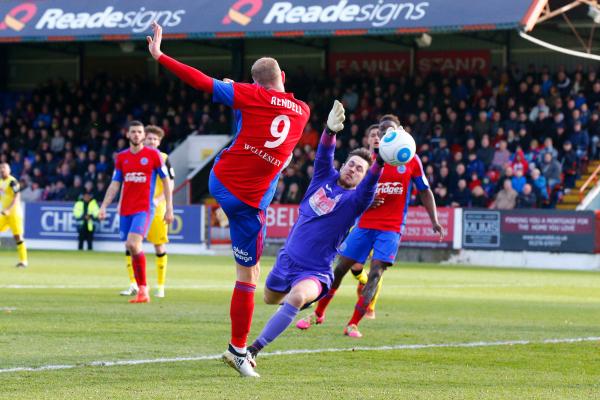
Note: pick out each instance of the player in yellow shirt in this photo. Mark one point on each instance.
(11, 215)
(158, 232)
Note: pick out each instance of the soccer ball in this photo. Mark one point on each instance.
(397, 147)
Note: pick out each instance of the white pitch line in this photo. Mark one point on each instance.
(194, 287)
(303, 351)
(8, 308)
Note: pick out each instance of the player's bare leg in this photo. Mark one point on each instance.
(161, 268)
(138, 260)
(318, 316)
(304, 292)
(240, 312)
(21, 251)
(368, 293)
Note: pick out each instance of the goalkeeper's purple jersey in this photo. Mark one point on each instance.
(327, 211)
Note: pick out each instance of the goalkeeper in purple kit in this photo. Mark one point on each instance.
(334, 200)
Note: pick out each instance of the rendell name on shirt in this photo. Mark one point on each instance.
(262, 154)
(276, 101)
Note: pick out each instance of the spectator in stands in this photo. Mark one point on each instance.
(570, 164)
(527, 198)
(540, 185)
(442, 199)
(580, 140)
(501, 155)
(548, 148)
(540, 108)
(309, 137)
(293, 195)
(461, 196)
(485, 153)
(551, 169)
(518, 180)
(75, 190)
(475, 165)
(506, 199)
(57, 145)
(350, 99)
(479, 198)
(31, 193)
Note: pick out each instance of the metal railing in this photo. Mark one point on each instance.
(593, 178)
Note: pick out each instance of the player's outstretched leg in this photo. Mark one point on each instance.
(133, 287)
(303, 292)
(368, 292)
(318, 316)
(240, 312)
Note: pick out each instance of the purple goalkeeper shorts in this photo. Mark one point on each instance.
(286, 274)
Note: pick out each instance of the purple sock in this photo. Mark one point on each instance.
(276, 325)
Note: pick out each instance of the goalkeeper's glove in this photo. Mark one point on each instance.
(335, 120)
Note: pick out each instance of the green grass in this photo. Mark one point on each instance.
(86, 321)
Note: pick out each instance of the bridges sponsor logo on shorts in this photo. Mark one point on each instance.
(394, 188)
(135, 177)
(263, 154)
(241, 254)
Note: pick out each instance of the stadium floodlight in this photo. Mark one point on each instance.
(424, 40)
(594, 13)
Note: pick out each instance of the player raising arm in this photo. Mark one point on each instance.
(333, 201)
(244, 177)
(378, 230)
(136, 168)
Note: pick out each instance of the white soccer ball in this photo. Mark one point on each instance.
(397, 147)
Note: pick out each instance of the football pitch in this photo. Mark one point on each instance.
(441, 333)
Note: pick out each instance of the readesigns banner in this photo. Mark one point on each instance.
(114, 19)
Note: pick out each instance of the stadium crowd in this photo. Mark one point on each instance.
(509, 139)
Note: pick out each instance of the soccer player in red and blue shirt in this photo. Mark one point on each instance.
(269, 123)
(136, 168)
(378, 230)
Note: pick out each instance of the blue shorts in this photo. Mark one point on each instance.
(286, 274)
(135, 223)
(247, 225)
(360, 242)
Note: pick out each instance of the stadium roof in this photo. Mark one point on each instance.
(69, 20)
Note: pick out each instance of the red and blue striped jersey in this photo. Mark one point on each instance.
(137, 172)
(394, 187)
(269, 124)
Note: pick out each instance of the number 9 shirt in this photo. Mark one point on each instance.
(269, 124)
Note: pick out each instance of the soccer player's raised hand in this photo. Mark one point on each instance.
(335, 120)
(154, 43)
